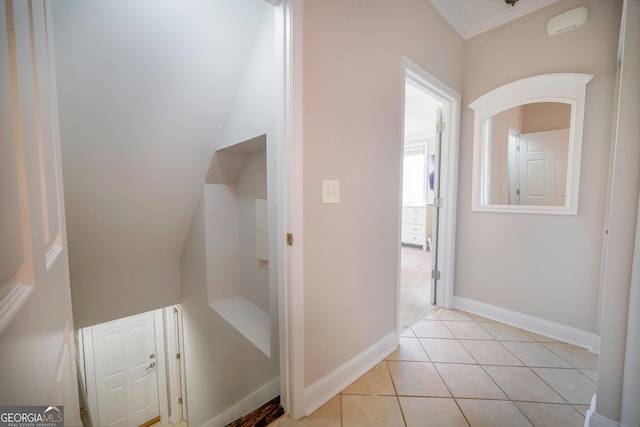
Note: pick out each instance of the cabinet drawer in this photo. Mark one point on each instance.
(414, 210)
(413, 238)
(414, 228)
(413, 219)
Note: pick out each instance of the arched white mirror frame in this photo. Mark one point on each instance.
(569, 88)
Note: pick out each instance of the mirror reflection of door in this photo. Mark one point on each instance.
(418, 218)
(527, 154)
(543, 158)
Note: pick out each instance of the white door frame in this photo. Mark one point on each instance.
(174, 386)
(289, 202)
(448, 176)
(161, 364)
(88, 364)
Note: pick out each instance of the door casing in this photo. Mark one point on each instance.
(167, 388)
(448, 178)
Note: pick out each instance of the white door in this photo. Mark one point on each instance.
(543, 167)
(125, 371)
(36, 329)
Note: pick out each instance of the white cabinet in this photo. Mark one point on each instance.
(414, 226)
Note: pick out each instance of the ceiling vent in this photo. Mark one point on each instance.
(567, 21)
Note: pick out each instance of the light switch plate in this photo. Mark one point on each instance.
(330, 191)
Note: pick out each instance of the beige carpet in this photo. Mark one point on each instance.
(415, 284)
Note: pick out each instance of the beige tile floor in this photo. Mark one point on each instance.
(456, 369)
(180, 424)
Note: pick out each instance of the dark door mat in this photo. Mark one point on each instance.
(261, 417)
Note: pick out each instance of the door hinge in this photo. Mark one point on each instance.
(177, 355)
(435, 274)
(438, 202)
(180, 400)
(440, 127)
(289, 239)
(518, 192)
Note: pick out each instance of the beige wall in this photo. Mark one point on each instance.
(542, 265)
(501, 123)
(543, 116)
(352, 132)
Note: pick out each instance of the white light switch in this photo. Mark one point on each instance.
(330, 191)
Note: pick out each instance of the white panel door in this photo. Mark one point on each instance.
(125, 371)
(36, 329)
(543, 167)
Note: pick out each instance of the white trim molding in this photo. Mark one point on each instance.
(593, 419)
(565, 88)
(289, 178)
(246, 405)
(527, 322)
(320, 392)
(446, 232)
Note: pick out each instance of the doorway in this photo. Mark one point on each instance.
(429, 190)
(132, 370)
(418, 256)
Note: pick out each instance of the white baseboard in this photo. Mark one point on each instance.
(534, 324)
(246, 405)
(593, 419)
(321, 391)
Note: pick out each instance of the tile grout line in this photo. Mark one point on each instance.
(572, 366)
(341, 411)
(447, 385)
(524, 365)
(498, 385)
(395, 391)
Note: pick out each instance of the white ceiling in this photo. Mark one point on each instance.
(472, 17)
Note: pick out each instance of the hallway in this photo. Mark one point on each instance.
(457, 369)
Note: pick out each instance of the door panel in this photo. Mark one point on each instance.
(17, 126)
(46, 136)
(125, 373)
(535, 178)
(34, 273)
(543, 167)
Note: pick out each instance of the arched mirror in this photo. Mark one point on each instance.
(527, 145)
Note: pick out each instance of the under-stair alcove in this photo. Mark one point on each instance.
(237, 249)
